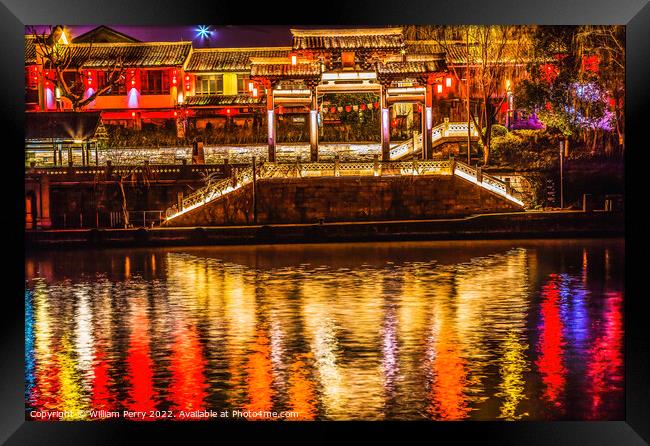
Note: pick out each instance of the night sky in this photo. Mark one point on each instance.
(221, 36)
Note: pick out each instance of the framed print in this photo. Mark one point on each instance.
(392, 220)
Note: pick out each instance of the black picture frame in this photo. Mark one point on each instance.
(15, 14)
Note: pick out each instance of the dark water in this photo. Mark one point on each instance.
(424, 330)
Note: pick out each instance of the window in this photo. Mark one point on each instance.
(154, 82)
(242, 83)
(31, 78)
(209, 84)
(119, 89)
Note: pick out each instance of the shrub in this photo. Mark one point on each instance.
(525, 149)
(498, 130)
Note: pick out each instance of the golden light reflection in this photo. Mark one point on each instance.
(512, 385)
(302, 395)
(72, 402)
(259, 378)
(434, 334)
(46, 391)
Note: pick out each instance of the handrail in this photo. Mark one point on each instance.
(439, 132)
(485, 181)
(452, 130)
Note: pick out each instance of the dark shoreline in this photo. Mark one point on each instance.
(534, 225)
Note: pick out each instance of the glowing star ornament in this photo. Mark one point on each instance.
(203, 32)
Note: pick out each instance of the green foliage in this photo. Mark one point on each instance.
(498, 130)
(525, 149)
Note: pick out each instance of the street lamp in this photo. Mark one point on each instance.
(564, 152)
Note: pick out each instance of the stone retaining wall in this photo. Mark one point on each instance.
(310, 200)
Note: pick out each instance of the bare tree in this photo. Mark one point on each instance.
(493, 54)
(58, 57)
(126, 167)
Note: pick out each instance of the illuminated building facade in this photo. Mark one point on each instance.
(239, 89)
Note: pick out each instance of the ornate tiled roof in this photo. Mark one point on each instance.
(136, 55)
(329, 39)
(286, 70)
(222, 100)
(30, 50)
(410, 67)
(456, 53)
(230, 59)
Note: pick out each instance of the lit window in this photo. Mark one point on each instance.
(242, 83)
(154, 82)
(209, 84)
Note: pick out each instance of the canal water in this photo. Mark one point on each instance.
(486, 330)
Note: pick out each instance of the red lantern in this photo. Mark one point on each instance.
(333, 110)
(548, 106)
(376, 104)
(590, 63)
(363, 106)
(348, 108)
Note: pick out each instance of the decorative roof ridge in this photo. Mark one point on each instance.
(127, 44)
(346, 32)
(279, 60)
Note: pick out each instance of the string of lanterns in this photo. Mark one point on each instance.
(356, 107)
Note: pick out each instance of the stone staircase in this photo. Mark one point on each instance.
(244, 176)
(440, 134)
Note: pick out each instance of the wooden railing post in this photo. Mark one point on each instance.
(375, 164)
(179, 201)
(226, 168)
(336, 165)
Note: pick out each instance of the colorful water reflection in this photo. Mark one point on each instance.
(423, 330)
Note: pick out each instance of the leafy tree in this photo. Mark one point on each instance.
(576, 78)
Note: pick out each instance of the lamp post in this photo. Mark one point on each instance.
(561, 175)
